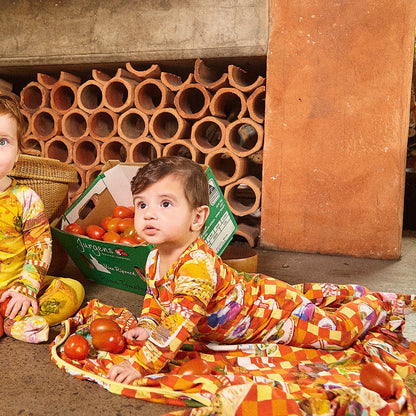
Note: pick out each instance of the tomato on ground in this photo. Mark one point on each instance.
(110, 341)
(95, 231)
(76, 347)
(196, 366)
(75, 229)
(103, 325)
(3, 307)
(374, 377)
(123, 212)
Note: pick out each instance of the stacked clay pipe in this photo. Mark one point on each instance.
(138, 115)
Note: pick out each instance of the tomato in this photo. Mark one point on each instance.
(138, 239)
(112, 224)
(122, 212)
(3, 307)
(102, 325)
(75, 229)
(124, 223)
(374, 377)
(111, 341)
(76, 347)
(111, 237)
(129, 232)
(104, 222)
(95, 232)
(196, 366)
(127, 240)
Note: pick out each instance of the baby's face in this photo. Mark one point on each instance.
(8, 144)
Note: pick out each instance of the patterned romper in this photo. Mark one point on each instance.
(200, 298)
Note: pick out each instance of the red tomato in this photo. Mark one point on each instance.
(103, 325)
(75, 229)
(124, 223)
(111, 341)
(104, 222)
(3, 307)
(76, 347)
(112, 224)
(122, 212)
(138, 239)
(1, 326)
(111, 237)
(95, 232)
(196, 366)
(127, 240)
(374, 377)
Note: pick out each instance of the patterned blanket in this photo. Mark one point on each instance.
(255, 379)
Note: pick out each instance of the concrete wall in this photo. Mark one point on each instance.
(48, 32)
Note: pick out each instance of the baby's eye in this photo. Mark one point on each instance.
(141, 205)
(166, 204)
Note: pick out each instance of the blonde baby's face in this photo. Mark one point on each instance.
(9, 150)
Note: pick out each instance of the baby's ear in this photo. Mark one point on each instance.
(201, 215)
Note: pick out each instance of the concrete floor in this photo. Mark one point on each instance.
(31, 385)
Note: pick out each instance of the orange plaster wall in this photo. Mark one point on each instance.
(336, 126)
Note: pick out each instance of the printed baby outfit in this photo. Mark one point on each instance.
(202, 298)
(25, 256)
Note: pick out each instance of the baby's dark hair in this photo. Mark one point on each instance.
(189, 172)
(9, 105)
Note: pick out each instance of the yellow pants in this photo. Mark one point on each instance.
(59, 299)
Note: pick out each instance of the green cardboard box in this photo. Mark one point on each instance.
(118, 265)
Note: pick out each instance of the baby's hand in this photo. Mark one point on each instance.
(138, 333)
(123, 373)
(18, 302)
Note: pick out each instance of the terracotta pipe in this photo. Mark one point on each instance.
(133, 124)
(184, 148)
(209, 77)
(92, 174)
(27, 116)
(242, 80)
(34, 96)
(102, 124)
(256, 104)
(226, 166)
(192, 101)
(33, 146)
(174, 82)
(228, 103)
(64, 96)
(59, 148)
(166, 126)
(49, 81)
(86, 153)
(46, 123)
(114, 148)
(144, 150)
(90, 96)
(124, 73)
(118, 94)
(76, 189)
(75, 124)
(244, 137)
(249, 233)
(208, 133)
(100, 76)
(152, 72)
(151, 94)
(243, 196)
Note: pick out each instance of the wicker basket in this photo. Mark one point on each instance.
(49, 178)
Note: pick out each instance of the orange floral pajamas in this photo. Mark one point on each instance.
(202, 299)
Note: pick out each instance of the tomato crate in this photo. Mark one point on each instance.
(121, 265)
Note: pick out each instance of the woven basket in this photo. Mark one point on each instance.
(49, 178)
